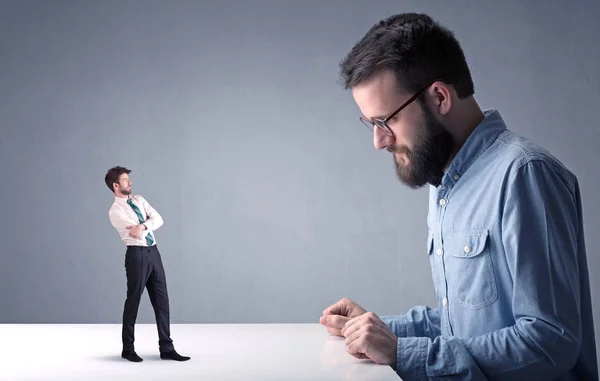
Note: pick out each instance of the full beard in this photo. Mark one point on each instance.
(427, 160)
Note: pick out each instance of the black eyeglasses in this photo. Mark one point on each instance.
(382, 124)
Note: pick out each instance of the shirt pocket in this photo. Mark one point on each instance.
(469, 269)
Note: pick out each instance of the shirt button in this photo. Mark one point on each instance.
(443, 202)
(467, 249)
(445, 302)
(440, 252)
(456, 177)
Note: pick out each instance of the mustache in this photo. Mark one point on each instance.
(402, 149)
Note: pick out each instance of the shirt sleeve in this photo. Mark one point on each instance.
(120, 220)
(154, 219)
(419, 321)
(540, 227)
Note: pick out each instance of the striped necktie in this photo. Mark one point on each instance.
(141, 219)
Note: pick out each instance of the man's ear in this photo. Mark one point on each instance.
(441, 93)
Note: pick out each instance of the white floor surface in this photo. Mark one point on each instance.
(219, 352)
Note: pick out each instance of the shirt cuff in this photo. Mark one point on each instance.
(399, 325)
(411, 358)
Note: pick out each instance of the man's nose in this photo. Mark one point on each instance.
(381, 139)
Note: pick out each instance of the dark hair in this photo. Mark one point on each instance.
(416, 48)
(112, 176)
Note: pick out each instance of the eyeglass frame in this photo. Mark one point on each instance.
(373, 122)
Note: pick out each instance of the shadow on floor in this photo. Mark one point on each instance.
(117, 358)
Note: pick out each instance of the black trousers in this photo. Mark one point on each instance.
(144, 269)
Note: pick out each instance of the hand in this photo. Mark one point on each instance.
(368, 337)
(135, 231)
(336, 315)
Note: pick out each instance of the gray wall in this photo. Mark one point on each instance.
(230, 114)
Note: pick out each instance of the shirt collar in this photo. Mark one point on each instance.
(480, 139)
(121, 200)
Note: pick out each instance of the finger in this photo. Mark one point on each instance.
(360, 356)
(352, 336)
(334, 331)
(335, 321)
(338, 308)
(128, 227)
(368, 318)
(353, 324)
(356, 347)
(332, 309)
(325, 320)
(332, 322)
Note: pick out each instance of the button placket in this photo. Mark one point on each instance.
(443, 202)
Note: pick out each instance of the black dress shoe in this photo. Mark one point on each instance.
(131, 356)
(172, 355)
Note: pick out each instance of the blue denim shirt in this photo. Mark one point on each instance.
(507, 254)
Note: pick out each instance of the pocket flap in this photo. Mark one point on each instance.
(466, 243)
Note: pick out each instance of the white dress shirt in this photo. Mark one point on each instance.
(121, 215)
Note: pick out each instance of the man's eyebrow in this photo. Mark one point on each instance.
(380, 116)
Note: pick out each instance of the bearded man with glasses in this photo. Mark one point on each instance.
(505, 229)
